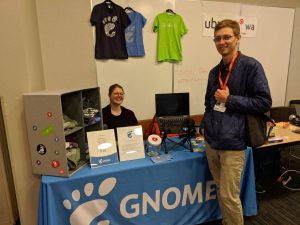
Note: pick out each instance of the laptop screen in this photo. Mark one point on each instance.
(173, 104)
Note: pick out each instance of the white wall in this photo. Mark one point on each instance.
(66, 43)
(21, 71)
(28, 64)
(24, 59)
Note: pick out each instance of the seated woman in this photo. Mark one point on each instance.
(115, 115)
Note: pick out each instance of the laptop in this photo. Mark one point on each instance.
(172, 111)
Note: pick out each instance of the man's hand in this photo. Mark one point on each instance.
(222, 95)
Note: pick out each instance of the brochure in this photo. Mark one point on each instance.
(161, 158)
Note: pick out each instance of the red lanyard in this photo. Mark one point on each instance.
(223, 85)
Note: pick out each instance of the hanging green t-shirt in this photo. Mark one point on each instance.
(170, 28)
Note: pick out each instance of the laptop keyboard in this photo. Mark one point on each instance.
(172, 124)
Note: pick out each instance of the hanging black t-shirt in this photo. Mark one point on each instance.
(110, 21)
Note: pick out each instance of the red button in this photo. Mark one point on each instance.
(55, 164)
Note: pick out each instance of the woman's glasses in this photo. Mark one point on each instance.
(118, 94)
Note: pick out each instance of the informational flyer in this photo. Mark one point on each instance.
(102, 148)
(130, 142)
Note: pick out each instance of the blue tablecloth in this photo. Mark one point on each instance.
(140, 192)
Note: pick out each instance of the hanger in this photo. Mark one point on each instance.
(109, 4)
(129, 9)
(170, 11)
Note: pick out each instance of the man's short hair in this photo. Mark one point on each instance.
(234, 25)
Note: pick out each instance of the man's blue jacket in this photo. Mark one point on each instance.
(249, 93)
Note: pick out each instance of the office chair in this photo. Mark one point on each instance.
(296, 104)
(282, 113)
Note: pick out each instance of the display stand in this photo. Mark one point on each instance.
(184, 139)
(50, 135)
(188, 131)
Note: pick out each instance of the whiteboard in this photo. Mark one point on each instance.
(271, 46)
(143, 77)
(200, 54)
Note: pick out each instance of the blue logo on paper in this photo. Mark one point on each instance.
(129, 134)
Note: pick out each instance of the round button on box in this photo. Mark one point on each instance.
(153, 144)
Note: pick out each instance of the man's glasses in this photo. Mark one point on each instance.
(217, 39)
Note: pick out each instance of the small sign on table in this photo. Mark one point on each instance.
(130, 142)
(102, 148)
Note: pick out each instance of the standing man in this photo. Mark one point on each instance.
(236, 86)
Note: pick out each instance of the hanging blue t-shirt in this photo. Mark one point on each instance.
(134, 34)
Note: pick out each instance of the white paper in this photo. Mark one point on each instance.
(130, 142)
(102, 148)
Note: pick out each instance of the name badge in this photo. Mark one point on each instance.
(220, 107)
